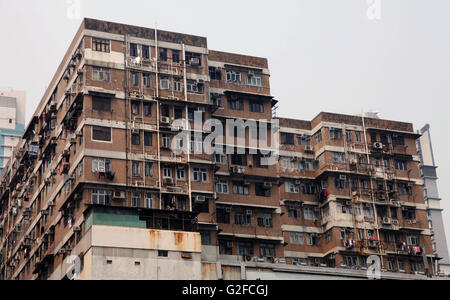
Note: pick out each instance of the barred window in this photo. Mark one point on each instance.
(101, 45)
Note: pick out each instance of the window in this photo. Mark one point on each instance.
(234, 76)
(101, 134)
(146, 80)
(220, 159)
(297, 238)
(335, 134)
(177, 85)
(147, 109)
(239, 159)
(254, 79)
(413, 240)
(292, 187)
(136, 199)
(206, 237)
(136, 169)
(148, 201)
(166, 141)
(338, 158)
(167, 172)
(306, 164)
(194, 87)
(416, 266)
(261, 190)
(176, 56)
(303, 140)
(162, 253)
(265, 220)
(310, 213)
(216, 99)
(294, 211)
(200, 175)
(100, 74)
(350, 261)
(358, 136)
(308, 188)
(163, 54)
(136, 138)
(404, 189)
(398, 140)
(222, 187)
(256, 107)
(243, 218)
(236, 104)
(194, 59)
(148, 139)
(148, 169)
(401, 165)
(409, 214)
(239, 188)
(180, 174)
(329, 236)
(267, 250)
(101, 45)
(318, 137)
(344, 207)
(145, 52)
(349, 136)
(341, 182)
(101, 104)
(287, 139)
(164, 83)
(225, 247)
(133, 50)
(101, 197)
(246, 249)
(223, 215)
(313, 239)
(101, 165)
(215, 73)
(135, 79)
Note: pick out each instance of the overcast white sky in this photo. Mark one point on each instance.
(324, 55)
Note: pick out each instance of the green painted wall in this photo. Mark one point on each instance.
(97, 218)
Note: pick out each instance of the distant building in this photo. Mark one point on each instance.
(12, 123)
(428, 170)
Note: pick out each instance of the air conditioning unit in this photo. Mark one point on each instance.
(44, 212)
(195, 61)
(298, 182)
(168, 181)
(229, 244)
(165, 120)
(135, 131)
(387, 221)
(228, 209)
(76, 229)
(267, 185)
(247, 183)
(249, 212)
(378, 146)
(200, 199)
(343, 177)
(119, 195)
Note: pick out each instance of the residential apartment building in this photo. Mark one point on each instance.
(428, 170)
(12, 122)
(97, 178)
